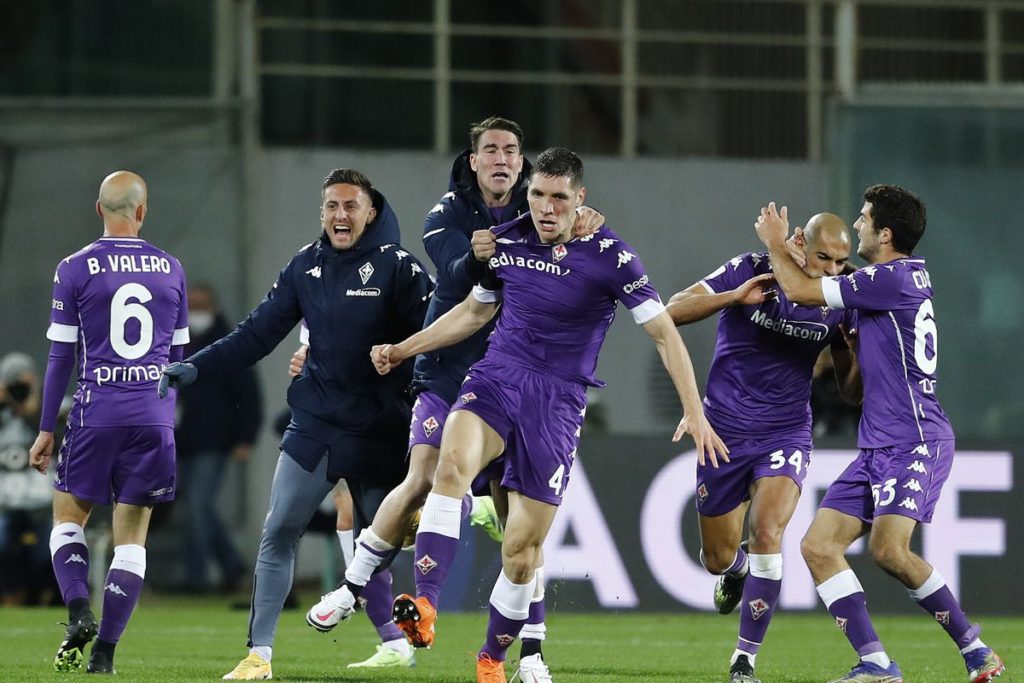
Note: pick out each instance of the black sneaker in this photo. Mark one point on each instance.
(100, 662)
(78, 634)
(729, 589)
(742, 672)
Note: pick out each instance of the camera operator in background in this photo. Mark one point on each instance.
(25, 497)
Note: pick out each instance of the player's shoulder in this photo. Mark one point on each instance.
(451, 205)
(163, 253)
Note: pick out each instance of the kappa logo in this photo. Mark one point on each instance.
(415, 268)
(75, 557)
(922, 450)
(401, 254)
(758, 608)
(315, 272)
(467, 397)
(841, 623)
(624, 257)
(870, 272)
(917, 466)
(908, 503)
(558, 252)
(913, 485)
(756, 259)
(426, 564)
(604, 244)
(365, 271)
(702, 492)
(853, 282)
(735, 262)
(942, 617)
(504, 639)
(115, 589)
(430, 425)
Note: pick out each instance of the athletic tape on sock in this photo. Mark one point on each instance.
(441, 515)
(766, 566)
(839, 586)
(65, 533)
(130, 558)
(512, 600)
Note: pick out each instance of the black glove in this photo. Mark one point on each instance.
(177, 375)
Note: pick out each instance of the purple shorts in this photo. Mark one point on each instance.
(429, 414)
(724, 489)
(898, 480)
(538, 416)
(133, 465)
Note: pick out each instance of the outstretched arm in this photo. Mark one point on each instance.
(677, 361)
(451, 328)
(772, 227)
(697, 302)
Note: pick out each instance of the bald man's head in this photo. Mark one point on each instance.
(122, 194)
(826, 245)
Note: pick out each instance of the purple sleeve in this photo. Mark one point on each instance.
(731, 274)
(175, 353)
(632, 286)
(58, 371)
(64, 306)
(873, 288)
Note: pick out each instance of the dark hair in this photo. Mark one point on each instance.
(349, 176)
(558, 162)
(899, 210)
(493, 123)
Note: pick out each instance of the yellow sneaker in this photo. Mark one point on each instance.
(252, 668)
(386, 658)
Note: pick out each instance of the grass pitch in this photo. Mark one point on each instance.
(202, 639)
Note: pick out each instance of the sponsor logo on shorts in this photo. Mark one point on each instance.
(908, 503)
(161, 492)
(942, 617)
(758, 608)
(365, 291)
(75, 557)
(115, 589)
(558, 252)
(426, 564)
(467, 397)
(504, 639)
(702, 492)
(841, 623)
(430, 425)
(917, 466)
(913, 485)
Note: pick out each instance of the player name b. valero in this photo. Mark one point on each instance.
(129, 263)
(505, 259)
(127, 374)
(801, 329)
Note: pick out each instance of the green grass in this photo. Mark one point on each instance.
(195, 639)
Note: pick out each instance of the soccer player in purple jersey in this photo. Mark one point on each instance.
(906, 441)
(121, 305)
(526, 398)
(758, 401)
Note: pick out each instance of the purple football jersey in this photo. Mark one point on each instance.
(558, 300)
(897, 351)
(124, 303)
(760, 378)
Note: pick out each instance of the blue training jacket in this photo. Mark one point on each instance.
(373, 293)
(446, 237)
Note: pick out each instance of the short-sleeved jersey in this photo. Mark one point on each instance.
(558, 300)
(760, 378)
(124, 303)
(897, 351)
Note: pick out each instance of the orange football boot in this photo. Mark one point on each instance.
(489, 670)
(416, 617)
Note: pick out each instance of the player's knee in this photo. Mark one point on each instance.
(889, 556)
(766, 538)
(717, 559)
(815, 549)
(519, 560)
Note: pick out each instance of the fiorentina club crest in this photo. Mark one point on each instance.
(365, 271)
(430, 425)
(504, 639)
(425, 564)
(841, 623)
(467, 397)
(702, 492)
(558, 252)
(758, 607)
(942, 618)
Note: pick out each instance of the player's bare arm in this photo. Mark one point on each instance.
(846, 368)
(41, 451)
(697, 303)
(772, 227)
(677, 361)
(451, 328)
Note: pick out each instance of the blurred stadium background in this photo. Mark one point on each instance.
(689, 114)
